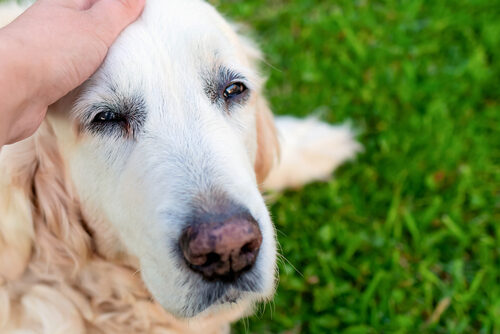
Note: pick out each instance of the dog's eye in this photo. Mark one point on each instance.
(234, 89)
(108, 116)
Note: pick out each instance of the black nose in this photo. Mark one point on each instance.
(222, 250)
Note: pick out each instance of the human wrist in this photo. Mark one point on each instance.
(20, 85)
(23, 68)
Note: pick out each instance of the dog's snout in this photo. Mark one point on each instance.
(222, 250)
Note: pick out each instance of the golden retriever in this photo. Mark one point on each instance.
(136, 207)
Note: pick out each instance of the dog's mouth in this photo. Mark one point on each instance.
(216, 295)
(230, 297)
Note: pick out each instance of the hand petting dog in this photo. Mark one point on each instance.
(51, 49)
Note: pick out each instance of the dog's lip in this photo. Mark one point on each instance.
(227, 298)
(232, 296)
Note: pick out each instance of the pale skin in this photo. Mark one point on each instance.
(49, 50)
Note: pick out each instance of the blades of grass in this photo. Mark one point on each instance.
(392, 214)
(454, 228)
(369, 292)
(439, 310)
(411, 226)
(475, 285)
(428, 275)
(350, 35)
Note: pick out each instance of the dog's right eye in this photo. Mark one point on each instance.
(120, 117)
(108, 116)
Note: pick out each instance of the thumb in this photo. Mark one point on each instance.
(112, 16)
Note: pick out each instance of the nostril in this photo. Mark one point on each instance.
(212, 258)
(249, 247)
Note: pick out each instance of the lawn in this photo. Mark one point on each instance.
(407, 237)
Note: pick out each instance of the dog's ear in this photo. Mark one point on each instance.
(267, 154)
(267, 141)
(16, 220)
(37, 204)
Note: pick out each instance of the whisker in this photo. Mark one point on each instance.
(282, 257)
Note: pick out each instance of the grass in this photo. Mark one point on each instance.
(407, 238)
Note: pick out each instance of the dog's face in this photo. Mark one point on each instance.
(162, 145)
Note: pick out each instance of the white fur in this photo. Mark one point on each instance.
(189, 147)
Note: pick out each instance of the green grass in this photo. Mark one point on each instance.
(407, 238)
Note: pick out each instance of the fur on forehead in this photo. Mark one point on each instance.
(172, 56)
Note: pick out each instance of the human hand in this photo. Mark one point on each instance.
(49, 50)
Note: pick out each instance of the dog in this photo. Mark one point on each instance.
(137, 206)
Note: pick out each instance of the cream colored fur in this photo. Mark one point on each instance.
(53, 281)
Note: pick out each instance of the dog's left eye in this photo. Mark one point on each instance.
(234, 89)
(108, 116)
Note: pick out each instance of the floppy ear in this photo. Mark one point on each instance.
(37, 204)
(16, 222)
(267, 141)
(267, 154)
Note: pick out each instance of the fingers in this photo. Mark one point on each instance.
(112, 16)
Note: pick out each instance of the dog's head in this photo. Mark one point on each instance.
(165, 146)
